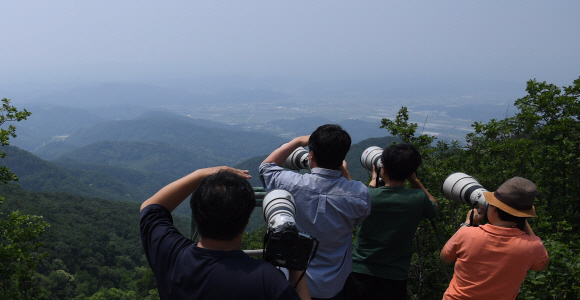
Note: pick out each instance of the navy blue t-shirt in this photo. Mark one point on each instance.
(185, 271)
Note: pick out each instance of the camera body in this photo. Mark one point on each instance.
(284, 245)
(287, 247)
(464, 189)
(297, 160)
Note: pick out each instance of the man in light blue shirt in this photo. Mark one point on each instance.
(329, 204)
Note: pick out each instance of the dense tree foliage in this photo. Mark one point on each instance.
(9, 113)
(92, 247)
(19, 255)
(18, 233)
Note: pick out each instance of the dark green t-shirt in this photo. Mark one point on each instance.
(384, 242)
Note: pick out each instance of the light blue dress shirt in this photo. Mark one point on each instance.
(328, 207)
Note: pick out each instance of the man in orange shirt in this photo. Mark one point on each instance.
(492, 260)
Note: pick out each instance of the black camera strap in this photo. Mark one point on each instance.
(264, 245)
(301, 276)
(471, 215)
(439, 247)
(316, 242)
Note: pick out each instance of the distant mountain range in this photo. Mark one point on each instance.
(178, 139)
(145, 95)
(53, 131)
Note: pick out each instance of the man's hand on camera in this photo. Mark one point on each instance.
(344, 170)
(417, 185)
(477, 217)
(413, 178)
(373, 182)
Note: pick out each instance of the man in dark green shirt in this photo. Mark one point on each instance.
(383, 246)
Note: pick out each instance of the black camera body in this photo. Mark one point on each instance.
(286, 246)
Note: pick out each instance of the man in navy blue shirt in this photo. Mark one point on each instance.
(214, 268)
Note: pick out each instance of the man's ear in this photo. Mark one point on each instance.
(383, 174)
(312, 160)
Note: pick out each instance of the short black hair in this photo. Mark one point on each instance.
(400, 161)
(221, 205)
(330, 144)
(504, 216)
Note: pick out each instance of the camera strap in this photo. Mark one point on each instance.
(316, 242)
(439, 247)
(264, 245)
(471, 215)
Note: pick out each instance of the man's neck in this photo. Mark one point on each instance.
(235, 244)
(505, 224)
(389, 182)
(494, 219)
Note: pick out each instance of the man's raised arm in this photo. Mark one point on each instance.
(176, 192)
(417, 185)
(279, 155)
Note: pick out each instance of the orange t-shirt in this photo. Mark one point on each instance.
(491, 261)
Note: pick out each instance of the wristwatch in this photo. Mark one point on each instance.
(465, 224)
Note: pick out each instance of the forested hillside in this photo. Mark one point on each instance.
(216, 144)
(92, 244)
(157, 157)
(50, 121)
(89, 180)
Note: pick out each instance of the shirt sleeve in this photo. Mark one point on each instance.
(430, 208)
(269, 175)
(540, 256)
(160, 239)
(452, 246)
(367, 209)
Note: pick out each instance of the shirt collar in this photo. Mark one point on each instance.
(326, 172)
(502, 230)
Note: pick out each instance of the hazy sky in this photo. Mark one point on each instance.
(76, 41)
